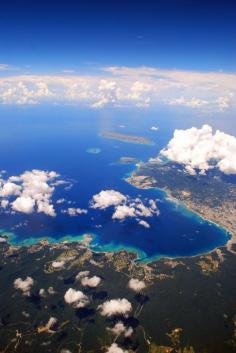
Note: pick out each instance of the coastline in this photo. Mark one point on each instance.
(169, 197)
(141, 256)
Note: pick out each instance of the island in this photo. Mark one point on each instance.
(93, 150)
(126, 138)
(128, 160)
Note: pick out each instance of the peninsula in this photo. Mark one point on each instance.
(211, 196)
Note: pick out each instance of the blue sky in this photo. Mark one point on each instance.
(119, 54)
(49, 36)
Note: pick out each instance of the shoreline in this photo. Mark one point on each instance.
(86, 240)
(141, 256)
(169, 197)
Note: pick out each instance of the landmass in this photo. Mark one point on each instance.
(212, 196)
(186, 306)
(128, 160)
(65, 297)
(126, 138)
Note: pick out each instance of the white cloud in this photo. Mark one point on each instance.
(193, 102)
(51, 291)
(42, 293)
(123, 211)
(60, 201)
(107, 198)
(120, 328)
(24, 204)
(114, 348)
(124, 206)
(24, 285)
(201, 149)
(154, 128)
(115, 307)
(4, 203)
(136, 285)
(144, 224)
(34, 190)
(125, 86)
(77, 299)
(72, 211)
(51, 324)
(91, 281)
(58, 264)
(10, 189)
(82, 274)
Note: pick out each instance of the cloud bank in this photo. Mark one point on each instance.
(124, 87)
(200, 150)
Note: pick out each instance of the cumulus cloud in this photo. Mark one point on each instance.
(120, 328)
(124, 206)
(123, 211)
(91, 281)
(136, 285)
(124, 86)
(24, 204)
(29, 192)
(115, 307)
(107, 198)
(77, 299)
(24, 285)
(114, 348)
(201, 150)
(9, 189)
(154, 128)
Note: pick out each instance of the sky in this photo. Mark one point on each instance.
(54, 35)
(113, 46)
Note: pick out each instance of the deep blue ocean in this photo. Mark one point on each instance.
(57, 138)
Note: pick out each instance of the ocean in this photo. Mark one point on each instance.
(66, 140)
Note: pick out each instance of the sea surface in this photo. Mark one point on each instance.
(66, 140)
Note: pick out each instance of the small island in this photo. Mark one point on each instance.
(93, 150)
(126, 138)
(128, 160)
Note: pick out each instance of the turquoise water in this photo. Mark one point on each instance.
(59, 139)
